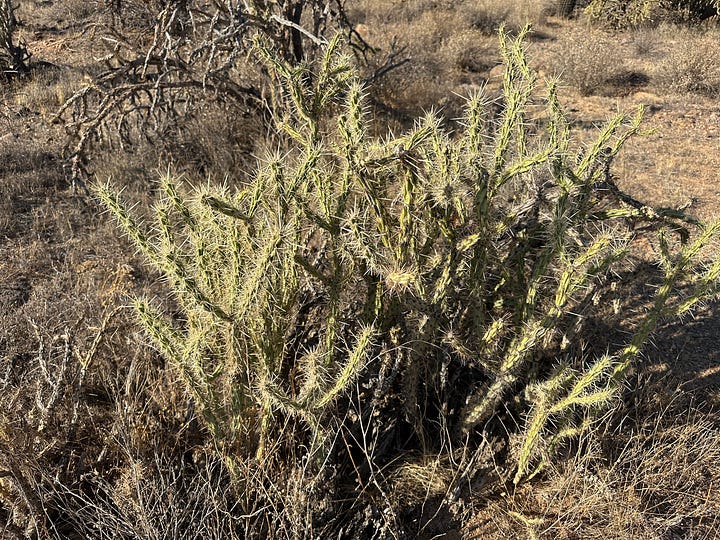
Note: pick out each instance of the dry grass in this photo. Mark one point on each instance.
(46, 90)
(483, 14)
(451, 46)
(653, 477)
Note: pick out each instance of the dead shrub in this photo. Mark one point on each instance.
(487, 16)
(645, 41)
(693, 65)
(586, 59)
(470, 55)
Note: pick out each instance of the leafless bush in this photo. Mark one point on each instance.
(693, 65)
(645, 41)
(487, 16)
(195, 51)
(587, 59)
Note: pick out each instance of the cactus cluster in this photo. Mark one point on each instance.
(622, 13)
(14, 55)
(435, 278)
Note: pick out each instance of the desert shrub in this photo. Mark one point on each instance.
(692, 65)
(623, 14)
(561, 8)
(645, 42)
(693, 10)
(587, 59)
(439, 44)
(377, 309)
(486, 16)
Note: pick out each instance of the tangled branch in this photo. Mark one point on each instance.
(196, 51)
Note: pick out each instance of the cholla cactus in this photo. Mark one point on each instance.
(632, 13)
(443, 272)
(8, 22)
(13, 57)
